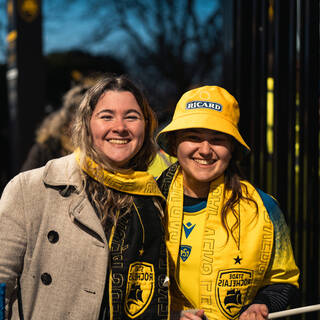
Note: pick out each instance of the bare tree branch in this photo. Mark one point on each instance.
(173, 43)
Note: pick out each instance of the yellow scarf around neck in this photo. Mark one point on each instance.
(133, 182)
(175, 209)
(218, 257)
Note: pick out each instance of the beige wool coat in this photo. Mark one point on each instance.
(53, 250)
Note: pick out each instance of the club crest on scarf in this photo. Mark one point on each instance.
(231, 289)
(140, 288)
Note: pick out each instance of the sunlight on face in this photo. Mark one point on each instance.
(118, 127)
(204, 155)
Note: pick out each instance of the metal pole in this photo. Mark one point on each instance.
(286, 313)
(25, 76)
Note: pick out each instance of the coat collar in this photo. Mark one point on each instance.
(63, 172)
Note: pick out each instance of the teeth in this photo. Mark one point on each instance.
(118, 141)
(203, 161)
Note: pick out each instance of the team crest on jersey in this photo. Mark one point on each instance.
(231, 289)
(140, 288)
(185, 252)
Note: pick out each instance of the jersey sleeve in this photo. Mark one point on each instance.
(282, 267)
(276, 297)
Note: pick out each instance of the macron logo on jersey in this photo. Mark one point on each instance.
(204, 105)
(188, 228)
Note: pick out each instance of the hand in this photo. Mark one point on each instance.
(255, 312)
(192, 316)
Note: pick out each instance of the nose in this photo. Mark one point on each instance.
(119, 125)
(205, 148)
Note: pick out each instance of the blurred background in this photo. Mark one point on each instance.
(265, 52)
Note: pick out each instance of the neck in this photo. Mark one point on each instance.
(196, 191)
(194, 188)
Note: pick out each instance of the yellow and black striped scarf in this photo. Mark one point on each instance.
(136, 287)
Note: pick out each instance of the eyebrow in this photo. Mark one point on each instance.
(112, 111)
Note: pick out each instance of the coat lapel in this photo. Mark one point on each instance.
(82, 211)
(62, 173)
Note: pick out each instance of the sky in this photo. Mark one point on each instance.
(64, 27)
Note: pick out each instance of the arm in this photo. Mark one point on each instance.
(272, 298)
(280, 287)
(12, 237)
(282, 267)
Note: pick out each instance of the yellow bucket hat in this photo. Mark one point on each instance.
(208, 107)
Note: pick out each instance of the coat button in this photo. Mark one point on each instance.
(66, 192)
(46, 278)
(53, 236)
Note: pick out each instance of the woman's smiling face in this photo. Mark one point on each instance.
(204, 155)
(118, 127)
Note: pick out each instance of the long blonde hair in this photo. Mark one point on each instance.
(106, 201)
(57, 125)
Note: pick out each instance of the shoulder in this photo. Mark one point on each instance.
(28, 178)
(267, 200)
(271, 205)
(58, 172)
(23, 190)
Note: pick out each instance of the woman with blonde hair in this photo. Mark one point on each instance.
(82, 237)
(53, 137)
(228, 241)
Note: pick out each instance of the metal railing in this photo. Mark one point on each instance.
(272, 68)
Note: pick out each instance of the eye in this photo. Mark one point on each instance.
(193, 138)
(219, 139)
(106, 117)
(188, 137)
(132, 117)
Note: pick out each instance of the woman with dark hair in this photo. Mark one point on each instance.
(82, 237)
(228, 241)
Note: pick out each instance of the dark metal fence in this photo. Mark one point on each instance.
(272, 67)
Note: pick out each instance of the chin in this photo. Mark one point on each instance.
(117, 163)
(206, 179)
